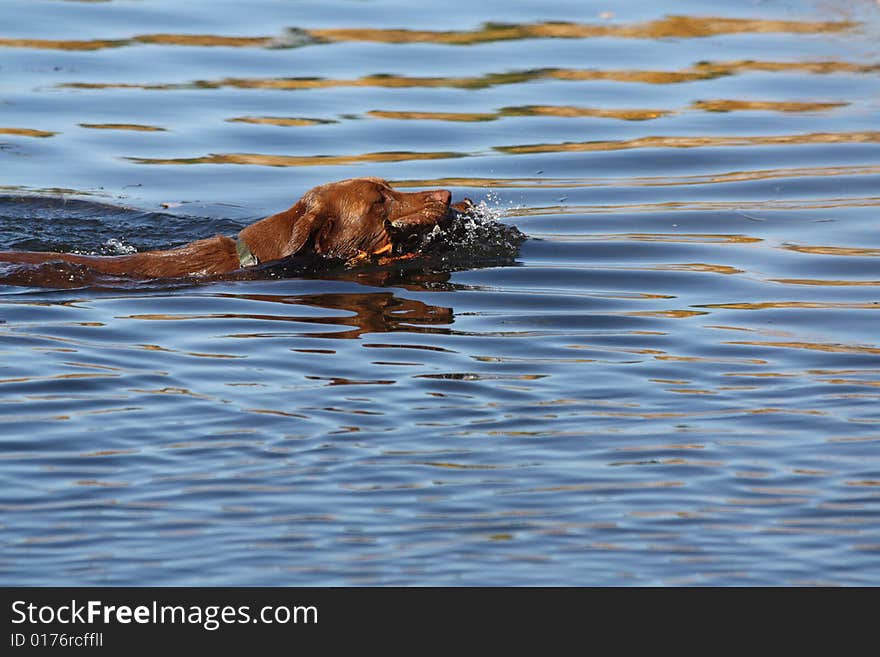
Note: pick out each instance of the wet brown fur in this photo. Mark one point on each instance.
(346, 219)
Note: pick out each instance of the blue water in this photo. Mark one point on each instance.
(673, 380)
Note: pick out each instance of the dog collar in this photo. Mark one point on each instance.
(246, 258)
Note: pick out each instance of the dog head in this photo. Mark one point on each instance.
(364, 216)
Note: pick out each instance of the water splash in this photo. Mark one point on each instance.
(114, 246)
(476, 237)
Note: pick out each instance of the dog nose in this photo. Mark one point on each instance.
(442, 195)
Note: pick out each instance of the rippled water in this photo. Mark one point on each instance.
(674, 380)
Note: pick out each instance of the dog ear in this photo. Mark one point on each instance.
(304, 227)
(324, 242)
(285, 233)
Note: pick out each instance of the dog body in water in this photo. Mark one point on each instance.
(358, 219)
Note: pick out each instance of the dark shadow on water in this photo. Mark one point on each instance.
(366, 312)
(49, 223)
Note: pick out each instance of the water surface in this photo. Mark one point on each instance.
(674, 380)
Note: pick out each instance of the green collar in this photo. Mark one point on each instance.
(245, 257)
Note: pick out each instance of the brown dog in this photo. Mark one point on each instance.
(350, 219)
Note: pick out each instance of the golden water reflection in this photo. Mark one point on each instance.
(812, 346)
(698, 71)
(762, 105)
(27, 132)
(122, 126)
(699, 206)
(559, 111)
(644, 181)
(556, 111)
(697, 142)
(284, 121)
(832, 250)
(678, 27)
(669, 27)
(820, 282)
(265, 159)
(268, 160)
